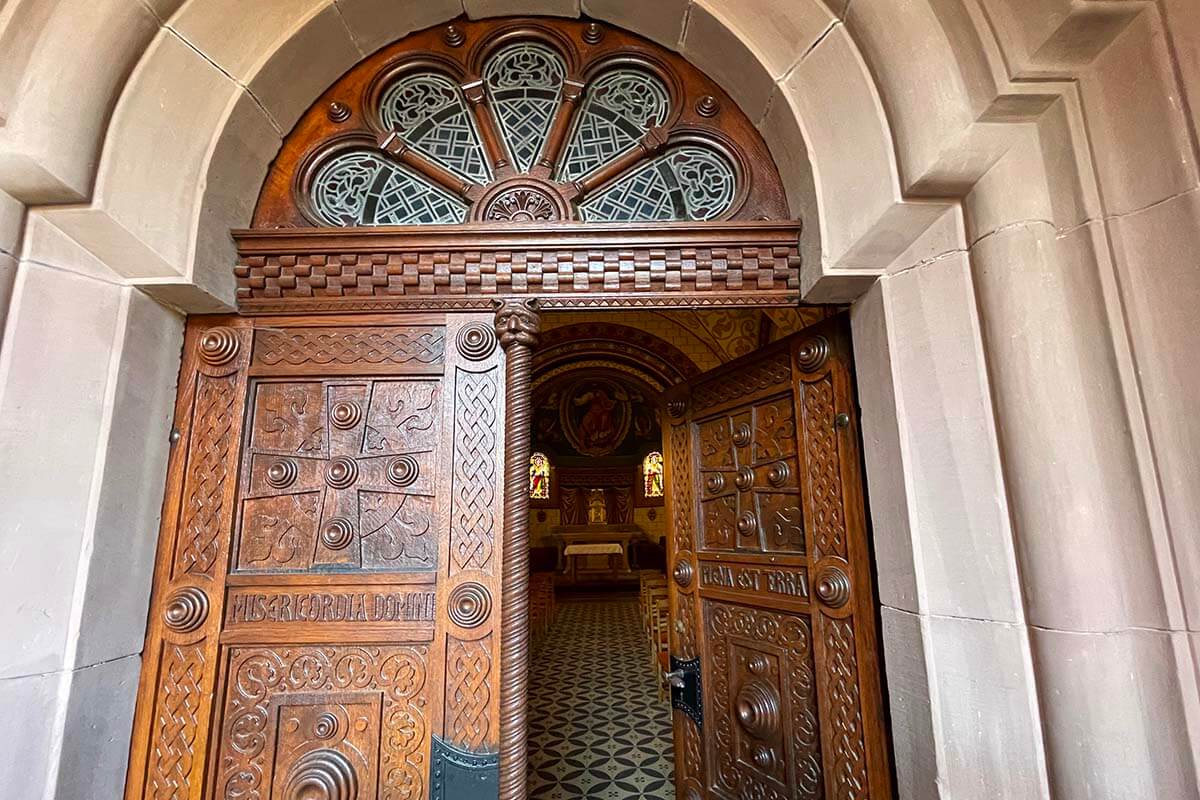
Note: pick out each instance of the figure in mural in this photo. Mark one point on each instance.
(595, 416)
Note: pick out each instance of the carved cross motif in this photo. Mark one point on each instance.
(340, 474)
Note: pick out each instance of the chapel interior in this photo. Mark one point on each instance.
(600, 716)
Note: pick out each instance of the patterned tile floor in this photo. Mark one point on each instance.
(597, 727)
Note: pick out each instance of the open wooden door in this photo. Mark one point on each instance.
(326, 605)
(775, 676)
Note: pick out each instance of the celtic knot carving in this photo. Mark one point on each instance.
(845, 704)
(824, 474)
(345, 346)
(468, 691)
(258, 674)
(176, 709)
(473, 512)
(211, 445)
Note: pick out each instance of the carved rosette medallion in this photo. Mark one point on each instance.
(742, 435)
(218, 346)
(345, 414)
(745, 479)
(813, 354)
(470, 605)
(522, 204)
(714, 483)
(757, 708)
(326, 726)
(747, 523)
(322, 775)
(832, 586)
(186, 609)
(402, 471)
(342, 472)
(476, 341)
(778, 473)
(337, 533)
(683, 573)
(676, 408)
(282, 473)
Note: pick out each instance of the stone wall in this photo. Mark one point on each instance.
(1006, 190)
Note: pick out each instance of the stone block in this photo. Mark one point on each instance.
(661, 21)
(8, 277)
(1139, 132)
(959, 515)
(97, 729)
(984, 710)
(1086, 555)
(133, 472)
(158, 147)
(375, 23)
(65, 64)
(1113, 717)
(711, 43)
(781, 131)
(12, 219)
(1158, 261)
(910, 706)
(479, 9)
(28, 706)
(778, 33)
(54, 401)
(891, 529)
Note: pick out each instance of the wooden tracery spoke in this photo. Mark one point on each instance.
(395, 145)
(489, 131)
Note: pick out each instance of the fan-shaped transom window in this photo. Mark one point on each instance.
(528, 121)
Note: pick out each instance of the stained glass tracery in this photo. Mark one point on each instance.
(431, 114)
(357, 187)
(617, 110)
(687, 182)
(539, 477)
(524, 81)
(522, 98)
(652, 474)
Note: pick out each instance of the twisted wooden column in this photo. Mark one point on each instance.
(517, 326)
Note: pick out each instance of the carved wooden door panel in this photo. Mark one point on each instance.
(774, 645)
(325, 617)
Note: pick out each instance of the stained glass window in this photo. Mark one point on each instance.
(524, 81)
(539, 477)
(652, 474)
(358, 187)
(523, 92)
(431, 114)
(616, 112)
(689, 182)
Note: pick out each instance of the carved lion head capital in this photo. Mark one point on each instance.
(517, 322)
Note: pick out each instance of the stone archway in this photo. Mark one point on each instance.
(1021, 353)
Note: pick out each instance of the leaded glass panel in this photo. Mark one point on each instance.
(524, 82)
(431, 114)
(689, 182)
(618, 109)
(357, 187)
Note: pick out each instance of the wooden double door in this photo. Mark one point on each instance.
(325, 620)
